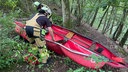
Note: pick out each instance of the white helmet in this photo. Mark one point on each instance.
(45, 9)
(36, 3)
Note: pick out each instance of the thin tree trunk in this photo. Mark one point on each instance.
(90, 15)
(73, 7)
(114, 20)
(114, 34)
(80, 11)
(79, 8)
(120, 27)
(103, 17)
(124, 39)
(91, 24)
(63, 11)
(118, 31)
(67, 13)
(109, 21)
(105, 22)
(112, 26)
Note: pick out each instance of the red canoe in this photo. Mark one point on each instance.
(80, 49)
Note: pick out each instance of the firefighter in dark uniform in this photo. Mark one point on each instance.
(34, 28)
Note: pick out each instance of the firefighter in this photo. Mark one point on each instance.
(35, 29)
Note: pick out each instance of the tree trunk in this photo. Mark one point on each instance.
(120, 26)
(113, 21)
(91, 24)
(105, 22)
(63, 12)
(80, 11)
(103, 17)
(67, 22)
(119, 30)
(90, 14)
(114, 34)
(124, 39)
(111, 29)
(107, 27)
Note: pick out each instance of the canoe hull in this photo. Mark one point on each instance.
(75, 46)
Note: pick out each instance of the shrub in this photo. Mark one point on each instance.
(11, 48)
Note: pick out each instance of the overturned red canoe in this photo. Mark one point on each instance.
(80, 49)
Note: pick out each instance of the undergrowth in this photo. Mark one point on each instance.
(10, 47)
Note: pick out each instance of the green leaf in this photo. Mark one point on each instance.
(70, 70)
(40, 65)
(79, 70)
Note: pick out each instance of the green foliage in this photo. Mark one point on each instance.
(7, 19)
(67, 61)
(40, 65)
(8, 5)
(103, 4)
(11, 49)
(57, 19)
(35, 51)
(98, 59)
(83, 69)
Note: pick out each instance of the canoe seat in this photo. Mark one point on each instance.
(69, 35)
(62, 41)
(99, 50)
(93, 46)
